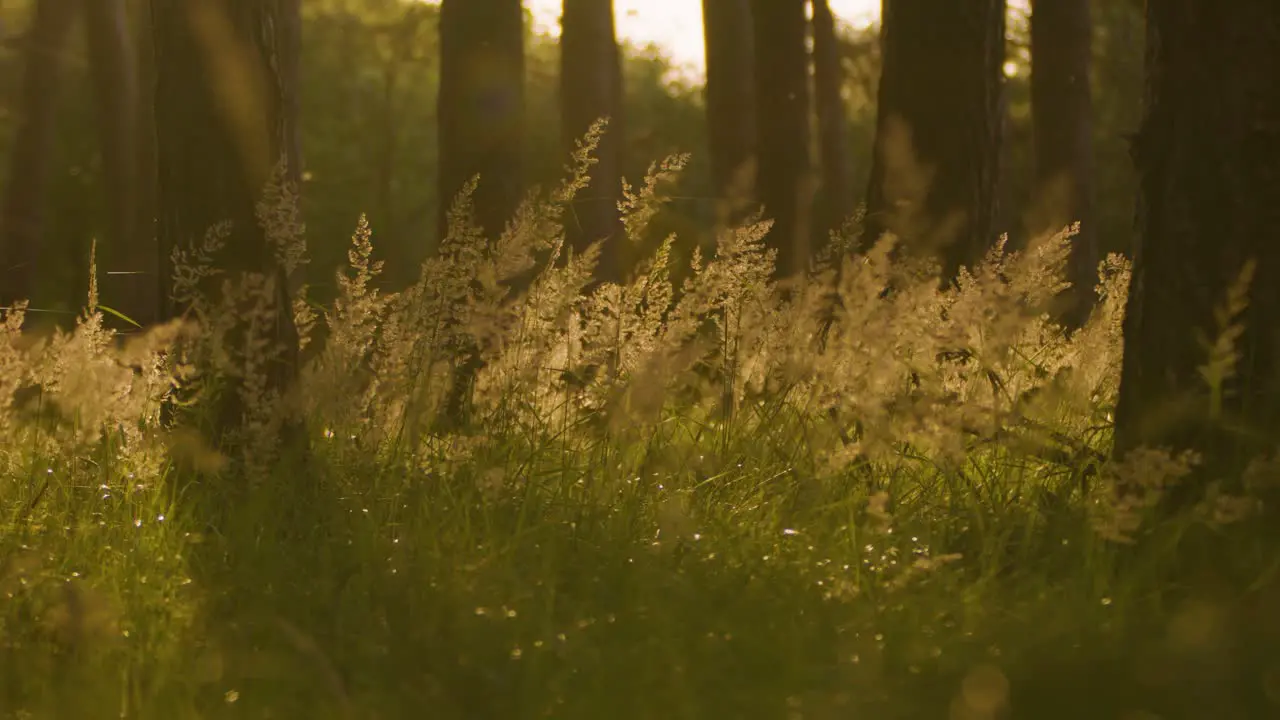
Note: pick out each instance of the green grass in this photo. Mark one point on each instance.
(688, 578)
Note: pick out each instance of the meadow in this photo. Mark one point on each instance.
(696, 494)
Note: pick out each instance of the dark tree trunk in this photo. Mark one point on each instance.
(114, 65)
(828, 82)
(783, 183)
(481, 106)
(481, 112)
(1062, 119)
(933, 179)
(22, 213)
(142, 256)
(1207, 156)
(223, 122)
(289, 51)
(591, 88)
(730, 97)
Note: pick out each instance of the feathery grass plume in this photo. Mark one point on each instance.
(278, 211)
(423, 333)
(195, 265)
(1247, 499)
(260, 402)
(14, 370)
(1094, 351)
(539, 343)
(622, 327)
(304, 317)
(411, 348)
(1133, 488)
(1220, 365)
(92, 401)
(638, 208)
(621, 323)
(719, 300)
(341, 374)
(939, 369)
(79, 374)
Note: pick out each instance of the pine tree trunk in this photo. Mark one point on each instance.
(1062, 119)
(591, 88)
(730, 97)
(481, 107)
(1208, 160)
(934, 176)
(22, 212)
(828, 82)
(783, 182)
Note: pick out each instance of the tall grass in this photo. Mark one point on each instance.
(863, 495)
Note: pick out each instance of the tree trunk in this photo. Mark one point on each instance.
(783, 183)
(1207, 158)
(223, 122)
(591, 88)
(933, 179)
(481, 107)
(143, 256)
(289, 51)
(1062, 120)
(22, 213)
(481, 115)
(828, 82)
(730, 97)
(114, 65)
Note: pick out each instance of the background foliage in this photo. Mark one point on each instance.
(370, 75)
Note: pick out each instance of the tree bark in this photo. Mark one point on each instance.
(289, 50)
(1207, 156)
(481, 107)
(934, 175)
(828, 82)
(481, 115)
(1062, 120)
(223, 122)
(114, 67)
(591, 88)
(22, 212)
(783, 182)
(730, 97)
(142, 257)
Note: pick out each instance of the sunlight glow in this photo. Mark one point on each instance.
(675, 26)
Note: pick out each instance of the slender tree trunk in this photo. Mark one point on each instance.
(1062, 119)
(289, 51)
(730, 97)
(389, 128)
(114, 65)
(223, 122)
(22, 212)
(783, 183)
(933, 179)
(591, 88)
(141, 257)
(1207, 158)
(828, 82)
(481, 107)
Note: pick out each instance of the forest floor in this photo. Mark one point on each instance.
(712, 586)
